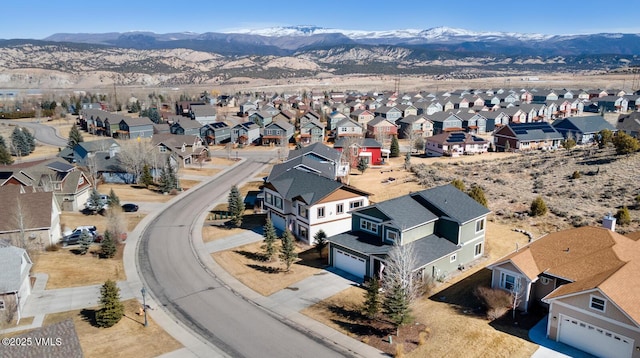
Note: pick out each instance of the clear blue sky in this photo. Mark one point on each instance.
(37, 19)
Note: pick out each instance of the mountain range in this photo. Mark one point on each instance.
(146, 58)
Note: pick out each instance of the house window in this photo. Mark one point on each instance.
(479, 225)
(2, 307)
(339, 208)
(392, 236)
(453, 258)
(268, 198)
(302, 211)
(163, 149)
(369, 226)
(507, 281)
(321, 212)
(597, 303)
(355, 204)
(478, 249)
(277, 202)
(302, 232)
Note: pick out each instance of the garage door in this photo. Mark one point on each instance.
(278, 222)
(593, 339)
(349, 263)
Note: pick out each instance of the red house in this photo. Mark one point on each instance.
(367, 148)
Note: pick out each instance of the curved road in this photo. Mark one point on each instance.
(43, 133)
(180, 282)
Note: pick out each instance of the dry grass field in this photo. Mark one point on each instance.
(128, 338)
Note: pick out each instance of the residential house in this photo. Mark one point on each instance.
(312, 132)
(277, 133)
(215, 133)
(334, 118)
(445, 122)
(407, 110)
(285, 116)
(15, 283)
(584, 130)
(629, 123)
(381, 127)
(39, 226)
(99, 122)
(184, 149)
(183, 108)
(392, 114)
(248, 107)
(348, 128)
(82, 152)
(131, 128)
(315, 158)
(455, 144)
(355, 148)
(306, 203)
(416, 126)
(262, 119)
(362, 116)
(527, 136)
(245, 133)
(443, 225)
(612, 104)
(186, 127)
(587, 277)
(57, 340)
(474, 123)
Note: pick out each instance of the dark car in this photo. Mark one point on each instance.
(130, 208)
(75, 237)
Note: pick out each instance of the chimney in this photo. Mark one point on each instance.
(609, 222)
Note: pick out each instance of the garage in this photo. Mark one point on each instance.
(279, 222)
(593, 339)
(352, 264)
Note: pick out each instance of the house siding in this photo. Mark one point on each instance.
(448, 229)
(418, 232)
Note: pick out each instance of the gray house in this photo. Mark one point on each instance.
(629, 123)
(262, 118)
(445, 122)
(185, 127)
(215, 133)
(15, 285)
(312, 132)
(245, 133)
(203, 113)
(131, 128)
(583, 130)
(443, 224)
(392, 114)
(277, 133)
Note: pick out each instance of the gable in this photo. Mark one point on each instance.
(582, 301)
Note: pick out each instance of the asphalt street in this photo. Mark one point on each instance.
(43, 133)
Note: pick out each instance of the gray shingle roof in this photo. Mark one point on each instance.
(319, 149)
(432, 248)
(406, 212)
(584, 125)
(448, 201)
(10, 263)
(300, 184)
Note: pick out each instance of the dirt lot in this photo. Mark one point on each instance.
(128, 338)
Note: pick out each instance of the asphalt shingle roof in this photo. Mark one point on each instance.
(10, 263)
(448, 201)
(585, 124)
(406, 212)
(300, 184)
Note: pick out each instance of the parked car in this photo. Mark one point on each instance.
(130, 208)
(75, 236)
(102, 204)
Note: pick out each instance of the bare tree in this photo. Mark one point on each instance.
(410, 135)
(517, 292)
(398, 271)
(116, 222)
(349, 154)
(134, 154)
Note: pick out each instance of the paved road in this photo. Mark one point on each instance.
(43, 133)
(180, 282)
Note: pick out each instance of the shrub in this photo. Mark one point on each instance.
(623, 216)
(538, 207)
(497, 301)
(399, 350)
(576, 175)
(52, 247)
(625, 144)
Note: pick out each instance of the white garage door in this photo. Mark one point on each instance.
(593, 339)
(349, 263)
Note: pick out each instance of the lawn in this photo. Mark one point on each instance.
(128, 338)
(220, 228)
(246, 263)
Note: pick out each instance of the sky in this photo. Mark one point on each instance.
(38, 19)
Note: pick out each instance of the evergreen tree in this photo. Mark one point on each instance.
(320, 239)
(270, 237)
(394, 149)
(625, 144)
(288, 250)
(477, 193)
(30, 139)
(108, 246)
(113, 199)
(146, 178)
(112, 310)
(20, 143)
(372, 303)
(362, 165)
(236, 206)
(168, 178)
(5, 155)
(623, 216)
(85, 242)
(94, 203)
(538, 207)
(604, 137)
(75, 137)
(459, 184)
(396, 307)
(568, 143)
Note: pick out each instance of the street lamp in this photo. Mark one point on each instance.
(144, 306)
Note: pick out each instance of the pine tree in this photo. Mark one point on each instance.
(85, 242)
(168, 178)
(75, 137)
(625, 144)
(113, 199)
(604, 137)
(270, 237)
(5, 155)
(112, 310)
(19, 143)
(236, 206)
(362, 165)
(31, 140)
(108, 246)
(320, 239)
(394, 149)
(396, 307)
(538, 207)
(477, 194)
(146, 178)
(94, 203)
(288, 250)
(372, 302)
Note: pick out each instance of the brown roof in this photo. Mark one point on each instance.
(35, 206)
(61, 338)
(590, 258)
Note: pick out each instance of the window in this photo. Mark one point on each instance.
(507, 281)
(2, 305)
(479, 225)
(268, 198)
(355, 204)
(302, 232)
(339, 208)
(302, 211)
(478, 249)
(597, 303)
(163, 149)
(277, 201)
(453, 258)
(369, 226)
(392, 236)
(321, 212)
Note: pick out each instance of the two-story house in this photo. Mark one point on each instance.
(131, 128)
(348, 128)
(215, 133)
(445, 227)
(185, 127)
(245, 133)
(184, 149)
(312, 132)
(277, 133)
(306, 203)
(15, 284)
